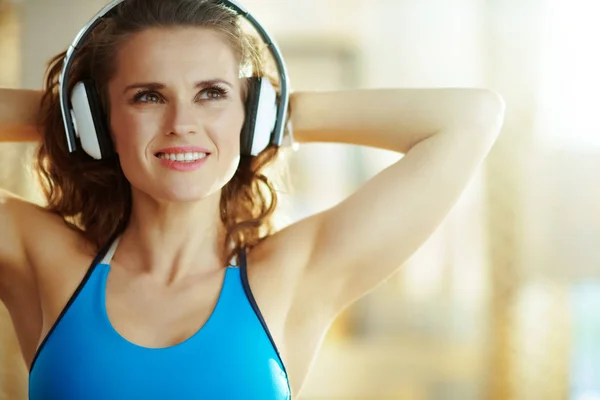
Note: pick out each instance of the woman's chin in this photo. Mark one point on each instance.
(181, 194)
(187, 195)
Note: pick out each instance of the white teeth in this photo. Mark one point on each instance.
(182, 157)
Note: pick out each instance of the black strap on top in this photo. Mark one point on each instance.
(91, 268)
(244, 276)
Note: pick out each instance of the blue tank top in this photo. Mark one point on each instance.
(232, 356)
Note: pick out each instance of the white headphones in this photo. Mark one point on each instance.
(84, 118)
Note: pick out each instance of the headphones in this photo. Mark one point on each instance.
(84, 118)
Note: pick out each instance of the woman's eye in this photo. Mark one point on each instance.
(214, 93)
(146, 97)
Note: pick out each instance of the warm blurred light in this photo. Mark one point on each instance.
(570, 78)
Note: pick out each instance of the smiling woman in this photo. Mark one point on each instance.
(212, 107)
(168, 281)
(144, 92)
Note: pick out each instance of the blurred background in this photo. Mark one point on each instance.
(503, 302)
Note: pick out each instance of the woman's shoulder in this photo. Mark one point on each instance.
(277, 265)
(32, 240)
(41, 261)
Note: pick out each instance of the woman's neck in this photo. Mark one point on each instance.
(173, 240)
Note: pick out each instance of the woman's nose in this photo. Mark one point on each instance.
(184, 120)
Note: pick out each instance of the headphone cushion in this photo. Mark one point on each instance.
(89, 120)
(261, 115)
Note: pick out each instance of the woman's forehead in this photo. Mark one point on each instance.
(161, 54)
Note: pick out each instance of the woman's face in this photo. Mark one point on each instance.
(176, 112)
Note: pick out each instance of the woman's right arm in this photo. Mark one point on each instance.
(18, 112)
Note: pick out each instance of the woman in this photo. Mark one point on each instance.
(155, 274)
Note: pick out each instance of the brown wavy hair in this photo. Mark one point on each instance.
(93, 196)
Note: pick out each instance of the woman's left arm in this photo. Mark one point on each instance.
(444, 133)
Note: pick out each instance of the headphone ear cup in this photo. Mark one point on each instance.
(261, 115)
(89, 120)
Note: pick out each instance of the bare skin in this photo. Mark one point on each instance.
(168, 257)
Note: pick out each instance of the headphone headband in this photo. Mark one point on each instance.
(87, 29)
